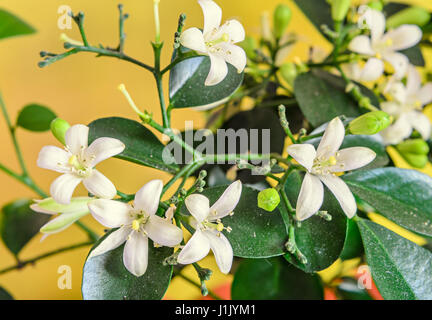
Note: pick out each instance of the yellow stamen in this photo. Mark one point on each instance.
(378, 56)
(225, 37)
(136, 225)
(220, 227)
(418, 104)
(389, 42)
(332, 161)
(73, 160)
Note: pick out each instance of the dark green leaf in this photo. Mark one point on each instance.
(393, 7)
(274, 279)
(317, 11)
(35, 117)
(11, 25)
(255, 233)
(371, 142)
(4, 295)
(415, 56)
(403, 196)
(353, 246)
(142, 146)
(319, 240)
(19, 224)
(349, 290)
(106, 278)
(400, 268)
(187, 89)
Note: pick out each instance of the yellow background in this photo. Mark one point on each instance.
(81, 89)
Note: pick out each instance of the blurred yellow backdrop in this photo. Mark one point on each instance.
(81, 89)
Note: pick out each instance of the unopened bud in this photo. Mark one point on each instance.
(412, 15)
(340, 9)
(281, 19)
(370, 123)
(58, 128)
(414, 146)
(268, 199)
(289, 72)
(376, 5)
(416, 160)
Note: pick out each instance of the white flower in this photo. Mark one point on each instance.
(136, 222)
(217, 42)
(321, 166)
(77, 162)
(209, 227)
(371, 71)
(408, 101)
(384, 46)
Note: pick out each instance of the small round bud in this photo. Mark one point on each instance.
(59, 128)
(281, 19)
(370, 123)
(376, 5)
(289, 72)
(416, 160)
(413, 146)
(340, 9)
(412, 15)
(268, 199)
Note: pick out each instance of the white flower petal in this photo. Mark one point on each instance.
(310, 198)
(391, 107)
(193, 39)
(76, 138)
(110, 213)
(304, 154)
(399, 62)
(198, 206)
(227, 201)
(135, 254)
(50, 206)
(362, 44)
(99, 185)
(102, 149)
(63, 187)
(397, 91)
(234, 29)
(375, 20)
(195, 249)
(414, 81)
(212, 16)
(342, 194)
(332, 139)
(147, 198)
(63, 221)
(425, 94)
(232, 54)
(353, 158)
(111, 242)
(53, 158)
(421, 123)
(373, 69)
(398, 131)
(403, 37)
(163, 232)
(218, 70)
(222, 250)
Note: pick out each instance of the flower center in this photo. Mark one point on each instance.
(223, 38)
(218, 226)
(321, 166)
(78, 166)
(140, 219)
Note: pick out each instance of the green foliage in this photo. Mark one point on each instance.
(4, 295)
(11, 25)
(353, 246)
(317, 11)
(35, 117)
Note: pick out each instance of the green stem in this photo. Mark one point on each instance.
(210, 293)
(180, 174)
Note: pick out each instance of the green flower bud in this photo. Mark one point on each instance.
(370, 123)
(289, 72)
(416, 160)
(340, 9)
(249, 45)
(268, 199)
(59, 128)
(376, 5)
(412, 15)
(414, 146)
(281, 19)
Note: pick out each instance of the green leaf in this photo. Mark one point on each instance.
(415, 56)
(187, 89)
(255, 233)
(372, 142)
(274, 279)
(142, 146)
(35, 117)
(106, 278)
(403, 196)
(19, 224)
(319, 240)
(317, 11)
(392, 8)
(11, 25)
(353, 246)
(4, 295)
(322, 97)
(399, 267)
(349, 290)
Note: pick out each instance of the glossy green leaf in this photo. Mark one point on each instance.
(372, 142)
(142, 146)
(399, 267)
(415, 56)
(317, 11)
(35, 117)
(255, 233)
(11, 25)
(274, 279)
(348, 289)
(187, 89)
(319, 240)
(393, 7)
(403, 196)
(106, 278)
(322, 96)
(353, 246)
(4, 295)
(19, 224)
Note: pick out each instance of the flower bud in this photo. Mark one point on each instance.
(59, 128)
(370, 123)
(412, 15)
(416, 160)
(289, 72)
(376, 5)
(340, 9)
(281, 19)
(268, 199)
(413, 146)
